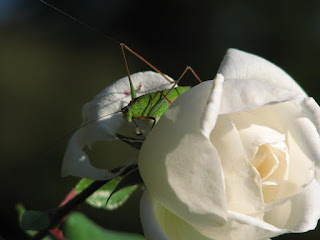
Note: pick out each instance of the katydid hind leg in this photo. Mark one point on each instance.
(188, 68)
(139, 133)
(149, 118)
(124, 46)
(132, 91)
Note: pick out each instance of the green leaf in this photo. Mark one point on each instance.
(120, 197)
(34, 220)
(79, 227)
(99, 198)
(132, 178)
(85, 182)
(21, 210)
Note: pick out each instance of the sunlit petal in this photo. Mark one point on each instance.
(238, 64)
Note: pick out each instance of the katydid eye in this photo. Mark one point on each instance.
(126, 110)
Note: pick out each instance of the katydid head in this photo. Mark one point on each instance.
(127, 113)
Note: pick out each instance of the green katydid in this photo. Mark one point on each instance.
(153, 105)
(149, 106)
(146, 107)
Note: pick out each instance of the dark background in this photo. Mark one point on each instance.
(50, 66)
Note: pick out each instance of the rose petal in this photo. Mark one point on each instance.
(151, 226)
(161, 224)
(305, 209)
(208, 121)
(241, 227)
(253, 136)
(257, 228)
(243, 183)
(237, 64)
(76, 161)
(279, 215)
(243, 95)
(280, 152)
(178, 175)
(313, 113)
(101, 122)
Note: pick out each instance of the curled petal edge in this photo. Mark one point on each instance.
(213, 106)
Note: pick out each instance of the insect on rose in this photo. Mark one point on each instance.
(153, 94)
(149, 106)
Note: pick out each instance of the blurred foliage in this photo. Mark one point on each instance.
(101, 198)
(79, 227)
(50, 66)
(21, 211)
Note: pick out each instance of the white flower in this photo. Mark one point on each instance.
(102, 119)
(234, 159)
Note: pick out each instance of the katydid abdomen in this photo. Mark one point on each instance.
(153, 105)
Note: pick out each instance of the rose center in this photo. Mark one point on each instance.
(272, 162)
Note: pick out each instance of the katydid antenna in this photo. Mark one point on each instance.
(73, 131)
(80, 22)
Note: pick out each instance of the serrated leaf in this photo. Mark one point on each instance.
(120, 197)
(132, 178)
(85, 182)
(79, 227)
(99, 198)
(34, 220)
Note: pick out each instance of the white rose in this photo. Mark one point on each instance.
(234, 159)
